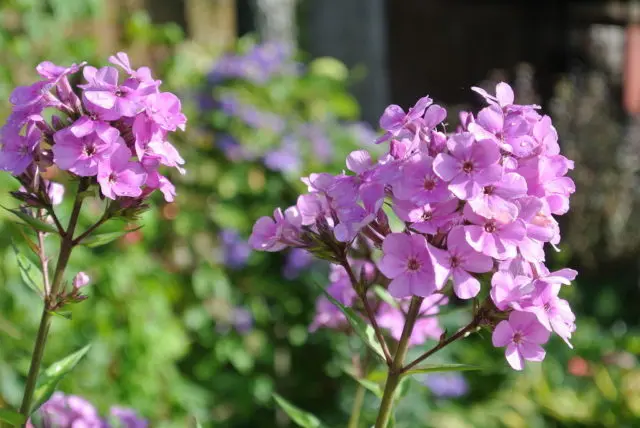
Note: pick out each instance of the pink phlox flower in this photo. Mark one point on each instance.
(469, 166)
(504, 95)
(407, 261)
(498, 200)
(427, 218)
(80, 155)
(459, 261)
(492, 236)
(509, 291)
(118, 176)
(313, 207)
(552, 312)
(522, 334)
(103, 91)
(396, 122)
(427, 325)
(277, 233)
(419, 183)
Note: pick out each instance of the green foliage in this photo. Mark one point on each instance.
(298, 416)
(52, 375)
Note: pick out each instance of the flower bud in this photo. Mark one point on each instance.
(80, 280)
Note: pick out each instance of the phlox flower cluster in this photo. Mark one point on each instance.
(111, 127)
(479, 202)
(64, 411)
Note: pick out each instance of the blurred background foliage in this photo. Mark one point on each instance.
(186, 322)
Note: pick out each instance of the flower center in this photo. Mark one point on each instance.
(455, 262)
(89, 150)
(547, 307)
(490, 227)
(119, 93)
(113, 177)
(427, 216)
(517, 337)
(413, 264)
(467, 167)
(429, 184)
(23, 150)
(488, 190)
(93, 116)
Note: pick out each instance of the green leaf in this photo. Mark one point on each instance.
(27, 270)
(364, 330)
(36, 224)
(300, 417)
(100, 239)
(49, 378)
(370, 385)
(434, 368)
(12, 417)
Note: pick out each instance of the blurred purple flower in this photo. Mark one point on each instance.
(446, 385)
(235, 249)
(242, 320)
(297, 259)
(126, 418)
(64, 411)
(286, 158)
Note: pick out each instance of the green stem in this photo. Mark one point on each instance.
(358, 400)
(395, 371)
(66, 247)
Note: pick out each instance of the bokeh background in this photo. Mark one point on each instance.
(186, 322)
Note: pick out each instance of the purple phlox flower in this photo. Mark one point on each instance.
(446, 385)
(235, 249)
(509, 131)
(57, 75)
(157, 181)
(469, 166)
(546, 136)
(118, 176)
(508, 291)
(541, 228)
(504, 95)
(165, 152)
(17, 151)
(103, 91)
(546, 179)
(80, 155)
(297, 260)
(395, 121)
(492, 236)
(407, 261)
(92, 123)
(63, 411)
(426, 326)
(466, 118)
(127, 418)
(351, 220)
(321, 182)
(458, 260)
(522, 334)
(498, 200)
(419, 183)
(552, 312)
(141, 76)
(277, 233)
(428, 218)
(404, 148)
(313, 208)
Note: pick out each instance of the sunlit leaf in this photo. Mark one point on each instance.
(300, 417)
(435, 368)
(50, 377)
